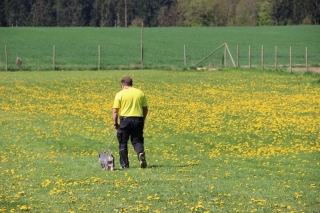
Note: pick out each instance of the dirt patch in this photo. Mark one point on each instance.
(310, 69)
(315, 69)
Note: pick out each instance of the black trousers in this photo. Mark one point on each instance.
(130, 128)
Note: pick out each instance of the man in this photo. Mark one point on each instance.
(130, 107)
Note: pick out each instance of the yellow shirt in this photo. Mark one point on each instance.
(130, 102)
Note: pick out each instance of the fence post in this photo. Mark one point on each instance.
(225, 56)
(276, 57)
(290, 59)
(237, 55)
(262, 57)
(307, 68)
(6, 53)
(249, 57)
(99, 62)
(54, 58)
(184, 55)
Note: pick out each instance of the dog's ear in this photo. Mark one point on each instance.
(99, 155)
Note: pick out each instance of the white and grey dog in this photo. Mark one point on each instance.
(106, 161)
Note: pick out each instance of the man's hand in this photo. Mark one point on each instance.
(116, 126)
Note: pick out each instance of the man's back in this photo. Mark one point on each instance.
(130, 102)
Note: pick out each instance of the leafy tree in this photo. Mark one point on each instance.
(314, 10)
(109, 13)
(282, 11)
(42, 13)
(264, 17)
(168, 14)
(148, 11)
(2, 14)
(86, 12)
(222, 10)
(194, 13)
(232, 12)
(243, 14)
(103, 13)
(17, 12)
(73, 12)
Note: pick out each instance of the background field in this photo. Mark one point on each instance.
(77, 48)
(230, 141)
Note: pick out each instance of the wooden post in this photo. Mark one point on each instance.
(211, 64)
(6, 53)
(276, 57)
(262, 57)
(54, 58)
(99, 57)
(249, 57)
(307, 68)
(234, 65)
(185, 55)
(237, 55)
(290, 59)
(225, 56)
(142, 45)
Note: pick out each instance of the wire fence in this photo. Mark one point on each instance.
(147, 57)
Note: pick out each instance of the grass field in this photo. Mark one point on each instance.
(227, 141)
(77, 48)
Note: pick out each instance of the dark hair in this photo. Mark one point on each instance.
(127, 81)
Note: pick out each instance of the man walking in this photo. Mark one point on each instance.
(131, 108)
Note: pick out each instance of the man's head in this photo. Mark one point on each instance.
(126, 81)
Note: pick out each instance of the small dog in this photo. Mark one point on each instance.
(106, 161)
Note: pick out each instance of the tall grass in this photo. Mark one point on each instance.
(77, 48)
(216, 141)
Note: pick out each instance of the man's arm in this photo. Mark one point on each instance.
(115, 115)
(145, 112)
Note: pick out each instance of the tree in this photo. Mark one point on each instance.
(17, 12)
(232, 12)
(158, 12)
(243, 15)
(221, 12)
(148, 11)
(194, 13)
(86, 12)
(314, 10)
(282, 11)
(254, 9)
(264, 17)
(63, 17)
(103, 13)
(2, 14)
(73, 12)
(168, 14)
(42, 13)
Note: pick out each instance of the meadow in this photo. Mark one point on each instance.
(225, 141)
(163, 48)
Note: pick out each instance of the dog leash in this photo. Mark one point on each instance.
(109, 152)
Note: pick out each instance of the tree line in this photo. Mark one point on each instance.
(154, 13)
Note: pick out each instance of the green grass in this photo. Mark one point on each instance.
(229, 141)
(77, 48)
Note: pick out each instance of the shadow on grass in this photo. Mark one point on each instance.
(154, 167)
(168, 166)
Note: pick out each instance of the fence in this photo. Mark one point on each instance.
(246, 58)
(263, 65)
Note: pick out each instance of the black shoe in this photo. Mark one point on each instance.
(142, 160)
